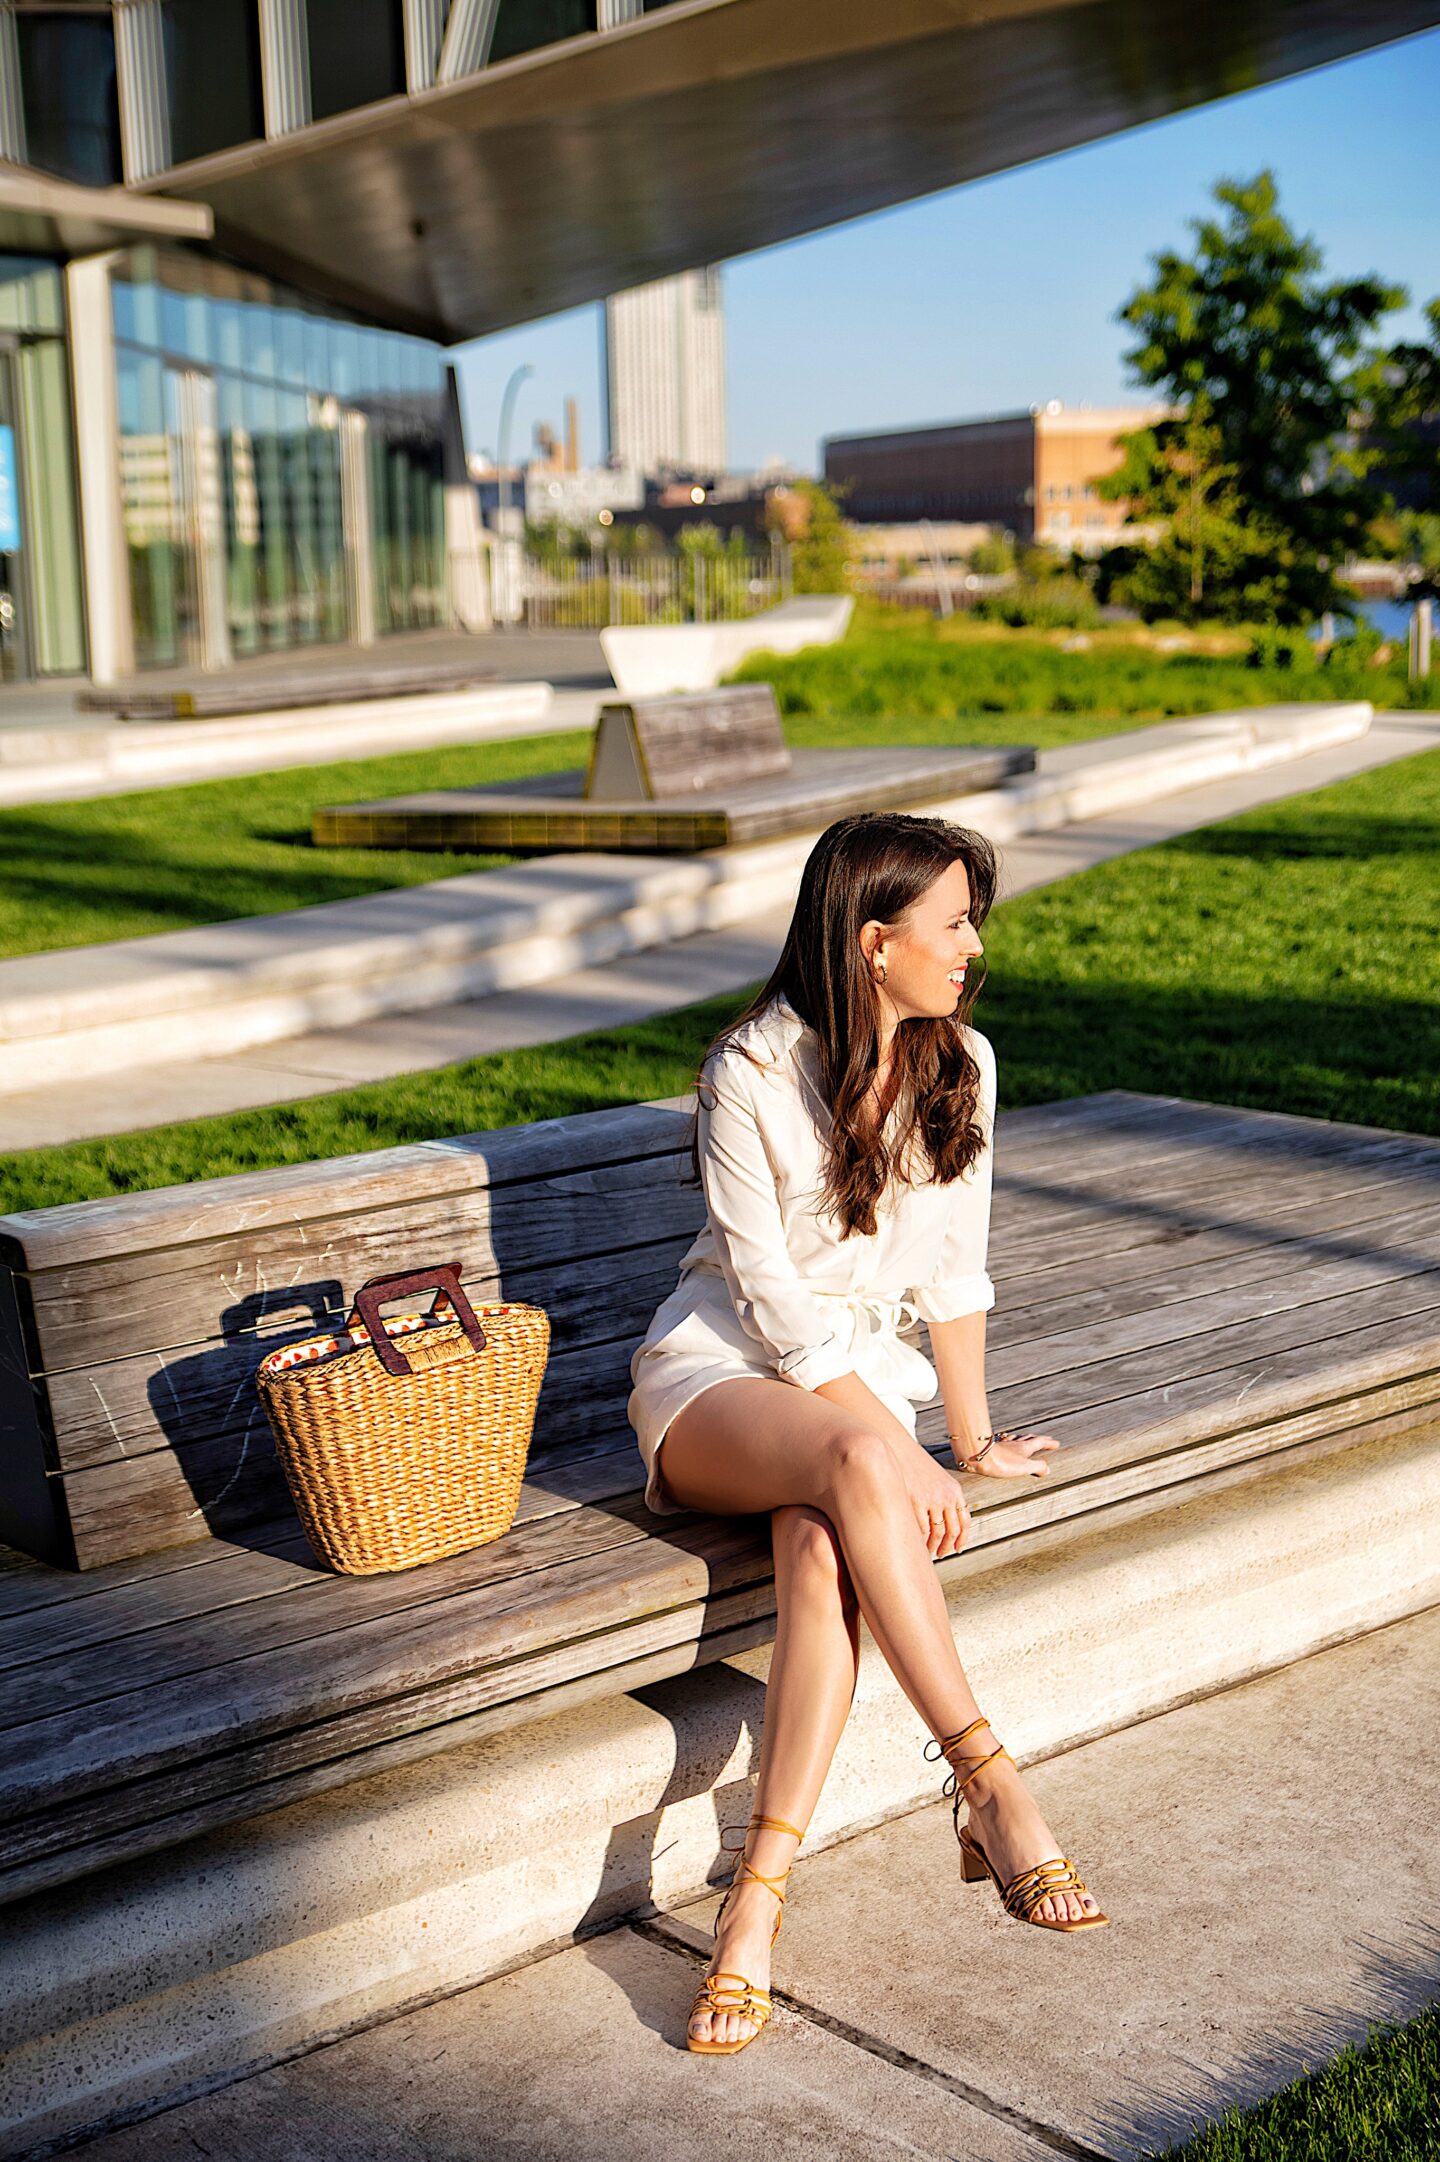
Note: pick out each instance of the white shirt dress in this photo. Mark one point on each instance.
(769, 1287)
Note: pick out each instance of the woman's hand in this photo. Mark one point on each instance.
(1017, 1457)
(938, 1503)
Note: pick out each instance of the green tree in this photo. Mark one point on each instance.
(821, 550)
(1247, 339)
(993, 556)
(1407, 397)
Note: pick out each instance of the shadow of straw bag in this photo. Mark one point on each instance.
(405, 1439)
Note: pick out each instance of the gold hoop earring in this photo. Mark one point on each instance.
(879, 967)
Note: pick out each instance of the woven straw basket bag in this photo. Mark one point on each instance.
(405, 1439)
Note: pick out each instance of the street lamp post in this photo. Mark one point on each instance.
(502, 454)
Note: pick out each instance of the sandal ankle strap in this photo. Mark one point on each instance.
(742, 1860)
(957, 1781)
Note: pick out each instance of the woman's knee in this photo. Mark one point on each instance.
(861, 1465)
(807, 1550)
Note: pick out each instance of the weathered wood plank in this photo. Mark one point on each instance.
(1295, 1230)
(519, 1574)
(245, 1203)
(448, 1708)
(1229, 1298)
(165, 1821)
(124, 1407)
(694, 740)
(224, 1482)
(193, 1295)
(596, 1581)
(197, 1293)
(128, 1407)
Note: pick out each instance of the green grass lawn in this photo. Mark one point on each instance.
(1377, 2104)
(927, 678)
(1283, 959)
(72, 874)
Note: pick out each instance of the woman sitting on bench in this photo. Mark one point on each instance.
(843, 1141)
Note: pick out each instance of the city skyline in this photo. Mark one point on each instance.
(1001, 294)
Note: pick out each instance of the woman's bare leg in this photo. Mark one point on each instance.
(807, 1701)
(751, 1445)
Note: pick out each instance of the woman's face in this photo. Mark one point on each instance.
(924, 957)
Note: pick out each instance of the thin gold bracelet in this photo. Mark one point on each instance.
(968, 1463)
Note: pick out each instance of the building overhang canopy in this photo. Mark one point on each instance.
(40, 215)
(714, 127)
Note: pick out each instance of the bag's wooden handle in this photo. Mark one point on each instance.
(443, 1280)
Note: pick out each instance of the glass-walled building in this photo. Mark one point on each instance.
(281, 468)
(42, 605)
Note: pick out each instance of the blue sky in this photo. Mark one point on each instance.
(1002, 293)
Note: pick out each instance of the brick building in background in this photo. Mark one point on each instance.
(1033, 472)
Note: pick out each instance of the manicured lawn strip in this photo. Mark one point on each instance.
(1283, 959)
(1376, 2104)
(930, 685)
(72, 874)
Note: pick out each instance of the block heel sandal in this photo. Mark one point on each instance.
(1028, 1887)
(723, 1992)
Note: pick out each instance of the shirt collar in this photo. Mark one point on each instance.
(773, 1034)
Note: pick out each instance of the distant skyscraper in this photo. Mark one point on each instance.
(665, 373)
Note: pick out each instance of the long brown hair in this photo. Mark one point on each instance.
(872, 868)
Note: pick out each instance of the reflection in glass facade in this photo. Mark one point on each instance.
(67, 79)
(42, 616)
(234, 394)
(212, 75)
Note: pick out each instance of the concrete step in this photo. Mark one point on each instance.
(1217, 1833)
(229, 987)
(54, 765)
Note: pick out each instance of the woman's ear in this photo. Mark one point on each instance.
(870, 936)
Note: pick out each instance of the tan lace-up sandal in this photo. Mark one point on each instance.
(741, 1996)
(1028, 1887)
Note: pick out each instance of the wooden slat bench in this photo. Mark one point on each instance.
(694, 770)
(1188, 1295)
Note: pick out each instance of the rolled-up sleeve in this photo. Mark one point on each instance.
(806, 1341)
(961, 1283)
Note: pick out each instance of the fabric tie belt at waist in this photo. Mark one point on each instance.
(879, 1346)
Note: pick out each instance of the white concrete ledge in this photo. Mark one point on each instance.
(232, 986)
(137, 1987)
(653, 658)
(52, 765)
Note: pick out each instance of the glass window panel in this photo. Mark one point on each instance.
(212, 65)
(525, 24)
(230, 333)
(319, 369)
(67, 87)
(258, 330)
(48, 487)
(150, 508)
(273, 590)
(345, 359)
(291, 339)
(30, 297)
(357, 53)
(122, 303)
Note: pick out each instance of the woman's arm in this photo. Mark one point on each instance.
(959, 1349)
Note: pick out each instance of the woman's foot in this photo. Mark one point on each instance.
(742, 1946)
(1015, 1836)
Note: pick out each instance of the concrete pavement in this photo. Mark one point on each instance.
(1266, 1855)
(629, 988)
